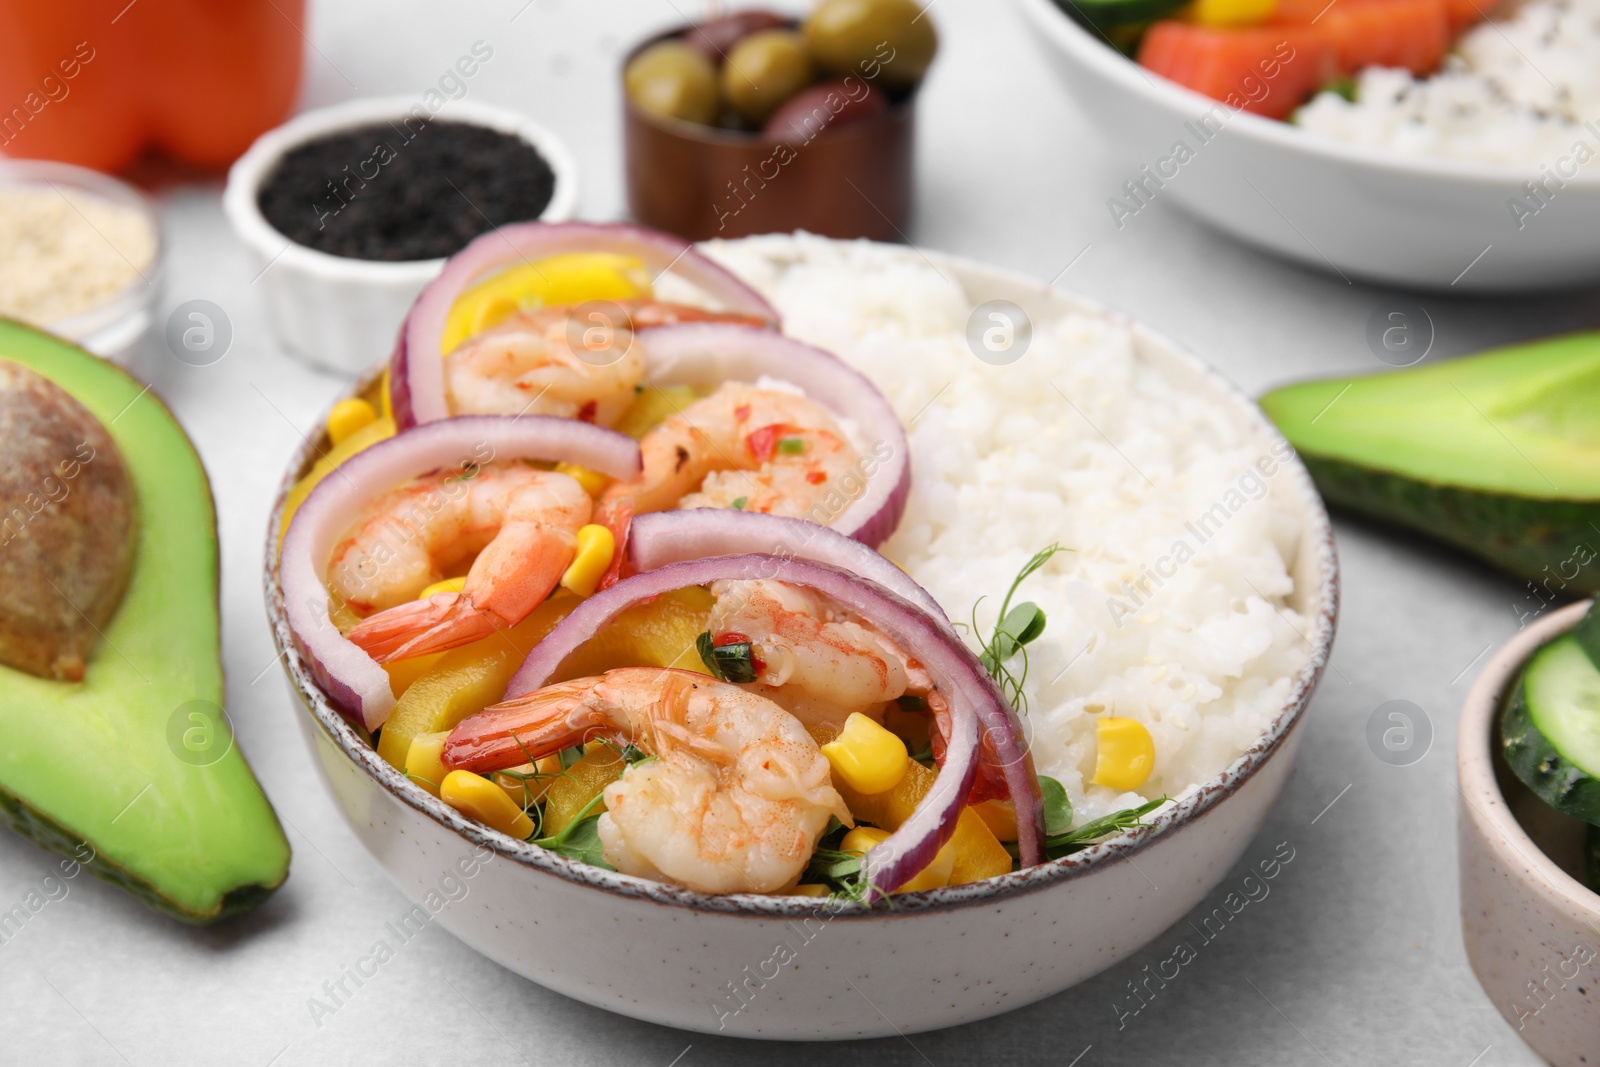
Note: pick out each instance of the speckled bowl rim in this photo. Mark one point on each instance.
(1480, 790)
(1174, 819)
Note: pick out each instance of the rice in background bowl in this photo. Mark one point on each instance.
(1170, 605)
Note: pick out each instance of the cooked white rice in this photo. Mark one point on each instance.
(1003, 464)
(1520, 89)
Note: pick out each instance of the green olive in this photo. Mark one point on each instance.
(764, 70)
(675, 81)
(891, 41)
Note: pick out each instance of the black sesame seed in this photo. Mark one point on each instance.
(404, 191)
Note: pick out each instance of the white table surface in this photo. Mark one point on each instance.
(1354, 958)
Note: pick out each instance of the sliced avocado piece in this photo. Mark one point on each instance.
(1497, 453)
(134, 765)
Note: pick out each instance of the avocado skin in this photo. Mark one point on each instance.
(47, 833)
(1537, 539)
(206, 843)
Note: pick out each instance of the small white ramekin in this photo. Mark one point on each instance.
(1532, 930)
(334, 311)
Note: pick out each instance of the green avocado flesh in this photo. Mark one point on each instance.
(96, 764)
(1498, 453)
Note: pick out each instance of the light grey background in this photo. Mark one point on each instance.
(1354, 958)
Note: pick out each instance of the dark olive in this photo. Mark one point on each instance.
(763, 71)
(673, 80)
(891, 41)
(825, 107)
(715, 38)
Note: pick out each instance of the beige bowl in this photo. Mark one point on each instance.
(1532, 929)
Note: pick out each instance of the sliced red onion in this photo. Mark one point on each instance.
(701, 352)
(416, 379)
(663, 537)
(352, 679)
(976, 705)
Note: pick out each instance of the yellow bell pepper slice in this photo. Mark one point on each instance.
(652, 407)
(425, 760)
(446, 585)
(1231, 12)
(1000, 816)
(475, 796)
(466, 680)
(570, 278)
(1125, 753)
(976, 852)
(936, 874)
(598, 767)
(658, 634)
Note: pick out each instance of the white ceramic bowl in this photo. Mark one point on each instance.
(1361, 212)
(1532, 929)
(334, 311)
(109, 329)
(934, 960)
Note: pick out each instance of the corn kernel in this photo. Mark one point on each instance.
(596, 546)
(1231, 12)
(1000, 816)
(347, 417)
(1126, 753)
(591, 481)
(425, 761)
(527, 791)
(475, 796)
(867, 757)
(449, 585)
(864, 839)
(810, 889)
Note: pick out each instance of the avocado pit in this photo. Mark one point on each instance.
(67, 526)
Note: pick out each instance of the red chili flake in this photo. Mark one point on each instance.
(732, 637)
(763, 442)
(742, 412)
(816, 477)
(587, 412)
(757, 662)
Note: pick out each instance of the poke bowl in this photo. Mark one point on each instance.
(1357, 205)
(770, 964)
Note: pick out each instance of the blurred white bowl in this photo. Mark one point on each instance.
(335, 311)
(1406, 220)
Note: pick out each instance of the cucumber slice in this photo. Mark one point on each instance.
(1587, 633)
(1105, 14)
(1551, 729)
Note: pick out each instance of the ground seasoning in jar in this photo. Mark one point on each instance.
(64, 252)
(407, 190)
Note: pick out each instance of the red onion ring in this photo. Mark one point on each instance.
(416, 378)
(975, 702)
(351, 678)
(699, 352)
(662, 537)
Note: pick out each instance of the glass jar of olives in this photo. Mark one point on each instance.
(755, 122)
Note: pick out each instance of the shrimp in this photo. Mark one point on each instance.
(520, 523)
(529, 365)
(810, 656)
(743, 446)
(734, 801)
(572, 362)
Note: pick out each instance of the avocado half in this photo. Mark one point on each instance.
(134, 764)
(1496, 453)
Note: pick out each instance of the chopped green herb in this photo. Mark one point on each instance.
(1018, 627)
(580, 839)
(792, 446)
(1057, 845)
(911, 702)
(739, 502)
(729, 663)
(1346, 87)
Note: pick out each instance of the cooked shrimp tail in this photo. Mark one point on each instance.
(443, 621)
(527, 727)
